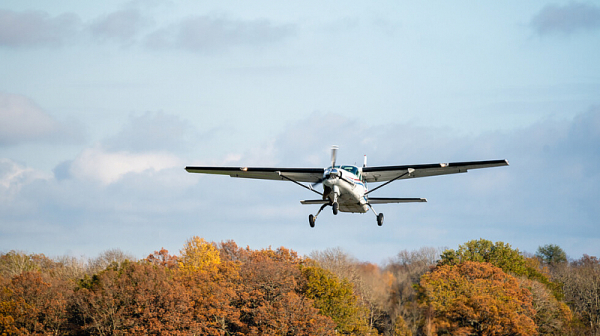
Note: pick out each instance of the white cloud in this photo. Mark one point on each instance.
(14, 176)
(548, 194)
(108, 167)
(21, 120)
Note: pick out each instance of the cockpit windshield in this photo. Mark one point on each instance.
(353, 170)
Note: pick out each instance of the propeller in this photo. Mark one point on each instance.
(333, 158)
(333, 155)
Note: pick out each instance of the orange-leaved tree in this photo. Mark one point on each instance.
(270, 297)
(34, 304)
(475, 298)
(133, 299)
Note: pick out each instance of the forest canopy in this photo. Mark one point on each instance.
(210, 288)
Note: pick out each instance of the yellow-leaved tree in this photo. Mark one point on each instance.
(199, 255)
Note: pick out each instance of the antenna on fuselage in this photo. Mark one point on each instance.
(365, 162)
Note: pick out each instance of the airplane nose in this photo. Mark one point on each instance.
(334, 174)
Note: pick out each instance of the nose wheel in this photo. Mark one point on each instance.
(335, 207)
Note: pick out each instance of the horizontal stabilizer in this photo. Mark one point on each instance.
(384, 200)
(315, 202)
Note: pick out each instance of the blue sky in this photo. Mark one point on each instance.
(103, 104)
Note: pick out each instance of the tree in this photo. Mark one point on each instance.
(364, 277)
(198, 254)
(581, 286)
(476, 298)
(401, 328)
(14, 263)
(108, 258)
(336, 261)
(407, 267)
(270, 296)
(552, 317)
(162, 258)
(213, 291)
(133, 298)
(376, 287)
(500, 255)
(551, 254)
(334, 297)
(34, 304)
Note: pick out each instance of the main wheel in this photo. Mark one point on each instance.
(335, 207)
(380, 219)
(311, 220)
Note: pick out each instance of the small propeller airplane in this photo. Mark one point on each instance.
(345, 187)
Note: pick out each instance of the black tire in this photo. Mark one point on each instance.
(335, 207)
(311, 220)
(380, 219)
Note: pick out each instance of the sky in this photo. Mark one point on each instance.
(103, 104)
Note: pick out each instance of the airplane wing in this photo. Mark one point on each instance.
(373, 200)
(297, 174)
(385, 200)
(387, 173)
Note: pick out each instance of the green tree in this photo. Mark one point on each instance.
(551, 254)
(335, 298)
(500, 255)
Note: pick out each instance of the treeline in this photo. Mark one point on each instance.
(481, 288)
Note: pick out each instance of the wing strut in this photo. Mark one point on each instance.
(410, 171)
(298, 183)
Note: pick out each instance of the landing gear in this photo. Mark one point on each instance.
(312, 219)
(379, 215)
(380, 219)
(335, 207)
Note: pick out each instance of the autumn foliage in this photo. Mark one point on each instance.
(482, 288)
(474, 298)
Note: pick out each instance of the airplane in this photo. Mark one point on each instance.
(345, 187)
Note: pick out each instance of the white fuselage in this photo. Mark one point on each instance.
(344, 186)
